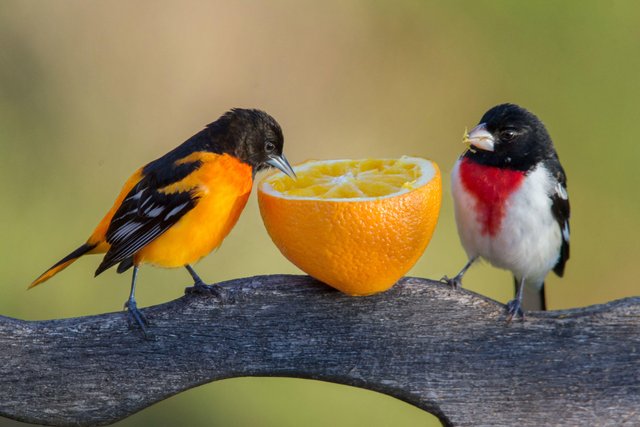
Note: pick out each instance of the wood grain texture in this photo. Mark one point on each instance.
(448, 352)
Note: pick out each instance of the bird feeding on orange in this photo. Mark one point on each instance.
(356, 225)
(178, 208)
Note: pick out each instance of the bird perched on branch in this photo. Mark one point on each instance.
(511, 203)
(178, 208)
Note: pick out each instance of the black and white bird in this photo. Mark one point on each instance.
(511, 204)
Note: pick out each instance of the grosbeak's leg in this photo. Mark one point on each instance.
(199, 287)
(514, 307)
(456, 282)
(135, 316)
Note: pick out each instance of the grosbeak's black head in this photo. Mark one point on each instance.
(252, 136)
(509, 136)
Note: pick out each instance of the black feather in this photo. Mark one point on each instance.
(73, 255)
(561, 210)
(531, 146)
(143, 216)
(125, 265)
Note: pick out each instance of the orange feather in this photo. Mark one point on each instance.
(222, 184)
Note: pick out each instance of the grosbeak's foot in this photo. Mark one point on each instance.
(136, 318)
(513, 309)
(455, 282)
(202, 288)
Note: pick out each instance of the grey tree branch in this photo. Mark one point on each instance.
(448, 352)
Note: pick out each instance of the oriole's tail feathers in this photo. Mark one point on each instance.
(62, 264)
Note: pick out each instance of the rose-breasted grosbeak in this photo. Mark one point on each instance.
(511, 203)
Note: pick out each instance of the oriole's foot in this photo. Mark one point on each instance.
(513, 308)
(202, 288)
(454, 282)
(135, 316)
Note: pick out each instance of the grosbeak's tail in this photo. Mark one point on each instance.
(533, 299)
(62, 264)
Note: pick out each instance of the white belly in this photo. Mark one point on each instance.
(528, 240)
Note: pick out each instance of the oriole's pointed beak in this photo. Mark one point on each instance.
(481, 138)
(281, 163)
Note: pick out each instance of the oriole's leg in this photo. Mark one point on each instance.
(456, 282)
(199, 287)
(132, 308)
(514, 307)
(197, 281)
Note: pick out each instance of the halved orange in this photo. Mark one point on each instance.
(356, 225)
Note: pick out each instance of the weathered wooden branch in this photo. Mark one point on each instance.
(448, 352)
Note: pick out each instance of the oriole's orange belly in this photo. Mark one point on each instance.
(223, 185)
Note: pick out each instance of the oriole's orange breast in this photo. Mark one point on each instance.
(222, 184)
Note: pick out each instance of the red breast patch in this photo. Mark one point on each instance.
(491, 187)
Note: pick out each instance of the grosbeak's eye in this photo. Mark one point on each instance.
(508, 134)
(269, 146)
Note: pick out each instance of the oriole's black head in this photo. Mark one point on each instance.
(252, 136)
(509, 136)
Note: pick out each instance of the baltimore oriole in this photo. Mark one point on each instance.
(178, 208)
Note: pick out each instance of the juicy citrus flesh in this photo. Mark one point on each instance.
(350, 179)
(356, 225)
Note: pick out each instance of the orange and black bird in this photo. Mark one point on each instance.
(178, 208)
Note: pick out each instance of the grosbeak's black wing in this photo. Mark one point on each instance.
(561, 211)
(146, 213)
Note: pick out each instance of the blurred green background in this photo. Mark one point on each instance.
(89, 91)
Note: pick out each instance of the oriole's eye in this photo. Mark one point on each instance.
(508, 134)
(269, 146)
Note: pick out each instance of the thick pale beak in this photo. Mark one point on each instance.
(281, 163)
(480, 138)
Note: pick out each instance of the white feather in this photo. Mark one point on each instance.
(135, 196)
(565, 231)
(175, 210)
(528, 241)
(561, 191)
(152, 213)
(126, 230)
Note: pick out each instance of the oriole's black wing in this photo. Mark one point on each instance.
(561, 212)
(146, 213)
